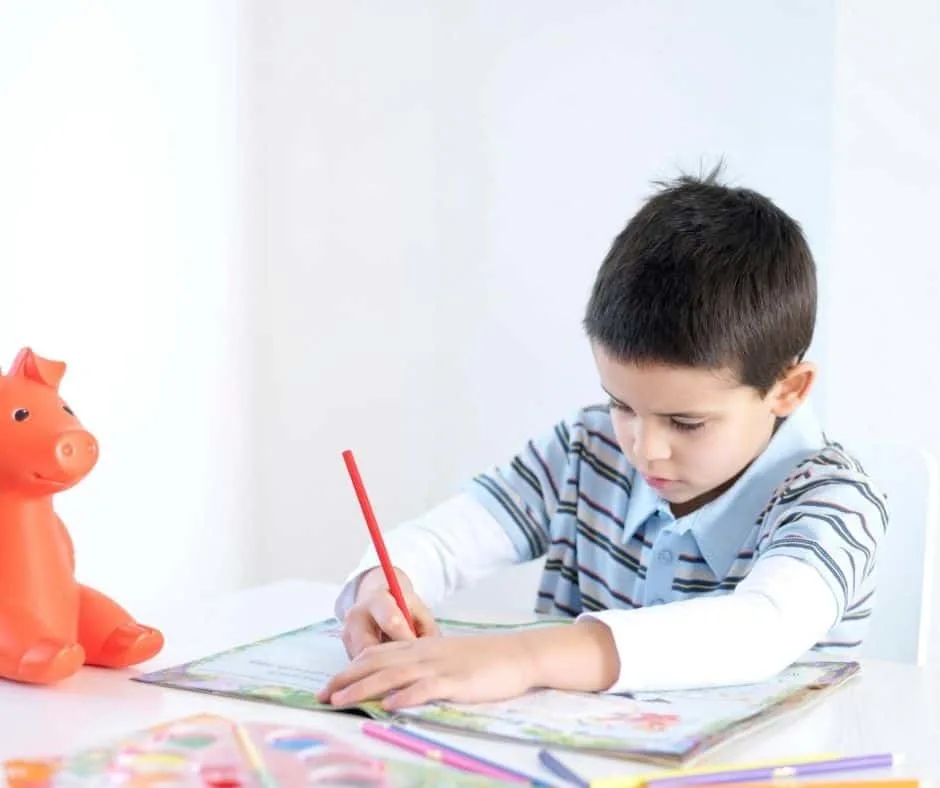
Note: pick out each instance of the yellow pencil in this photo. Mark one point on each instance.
(254, 757)
(639, 780)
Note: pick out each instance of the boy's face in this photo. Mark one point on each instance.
(689, 431)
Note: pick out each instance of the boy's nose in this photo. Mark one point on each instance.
(649, 444)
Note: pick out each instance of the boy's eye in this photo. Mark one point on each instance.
(687, 426)
(681, 426)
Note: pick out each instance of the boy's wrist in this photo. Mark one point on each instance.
(579, 657)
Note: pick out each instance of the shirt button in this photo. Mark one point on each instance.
(665, 556)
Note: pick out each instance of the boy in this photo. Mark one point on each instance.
(699, 528)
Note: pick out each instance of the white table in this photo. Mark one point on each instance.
(889, 708)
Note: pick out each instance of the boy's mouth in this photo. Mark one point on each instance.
(657, 482)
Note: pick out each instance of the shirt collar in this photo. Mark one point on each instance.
(721, 526)
(644, 503)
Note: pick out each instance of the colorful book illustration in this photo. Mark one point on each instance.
(210, 751)
(670, 727)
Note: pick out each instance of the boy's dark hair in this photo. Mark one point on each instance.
(705, 275)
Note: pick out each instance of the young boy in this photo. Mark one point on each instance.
(700, 528)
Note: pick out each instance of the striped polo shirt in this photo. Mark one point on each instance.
(610, 541)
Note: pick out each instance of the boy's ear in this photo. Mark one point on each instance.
(792, 389)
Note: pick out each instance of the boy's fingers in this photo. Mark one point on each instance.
(419, 692)
(425, 623)
(359, 632)
(390, 619)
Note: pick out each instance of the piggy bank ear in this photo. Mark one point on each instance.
(37, 368)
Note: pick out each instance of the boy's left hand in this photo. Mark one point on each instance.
(463, 668)
(580, 657)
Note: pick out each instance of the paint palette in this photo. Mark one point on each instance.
(210, 751)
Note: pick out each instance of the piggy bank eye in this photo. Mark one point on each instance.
(68, 410)
(20, 414)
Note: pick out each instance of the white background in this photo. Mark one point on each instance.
(262, 232)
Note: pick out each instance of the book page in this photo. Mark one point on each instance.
(668, 725)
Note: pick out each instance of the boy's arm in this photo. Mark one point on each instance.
(741, 638)
(448, 548)
(777, 613)
(814, 562)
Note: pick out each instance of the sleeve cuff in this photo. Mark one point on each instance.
(347, 596)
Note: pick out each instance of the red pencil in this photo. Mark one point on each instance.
(390, 577)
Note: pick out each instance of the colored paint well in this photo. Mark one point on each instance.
(190, 741)
(295, 742)
(220, 777)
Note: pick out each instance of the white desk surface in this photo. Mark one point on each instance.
(889, 708)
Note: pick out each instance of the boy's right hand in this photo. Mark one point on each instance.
(375, 616)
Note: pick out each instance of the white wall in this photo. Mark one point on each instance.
(883, 376)
(119, 248)
(430, 190)
(344, 141)
(440, 183)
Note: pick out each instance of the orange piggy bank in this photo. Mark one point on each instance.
(50, 625)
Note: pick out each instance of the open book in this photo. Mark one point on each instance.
(662, 727)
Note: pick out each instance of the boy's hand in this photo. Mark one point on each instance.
(458, 668)
(478, 668)
(375, 616)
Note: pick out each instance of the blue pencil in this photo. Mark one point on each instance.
(440, 745)
(555, 766)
